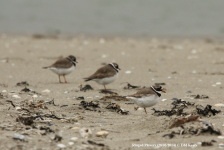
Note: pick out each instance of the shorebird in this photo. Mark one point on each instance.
(63, 66)
(147, 97)
(105, 75)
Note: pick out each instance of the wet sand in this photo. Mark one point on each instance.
(182, 64)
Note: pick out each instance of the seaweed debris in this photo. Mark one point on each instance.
(199, 96)
(129, 86)
(169, 135)
(94, 143)
(206, 110)
(86, 87)
(107, 92)
(117, 108)
(178, 107)
(89, 105)
(25, 90)
(23, 83)
(25, 120)
(160, 83)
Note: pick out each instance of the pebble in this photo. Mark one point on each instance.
(34, 96)
(66, 92)
(75, 139)
(71, 143)
(104, 56)
(220, 137)
(4, 91)
(16, 96)
(128, 72)
(219, 105)
(218, 83)
(164, 100)
(75, 128)
(18, 137)
(188, 91)
(61, 145)
(169, 77)
(102, 134)
(85, 133)
(46, 91)
(221, 145)
(18, 108)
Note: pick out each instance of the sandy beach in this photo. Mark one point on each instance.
(187, 66)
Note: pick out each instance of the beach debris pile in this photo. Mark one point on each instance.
(85, 88)
(115, 107)
(90, 105)
(23, 83)
(207, 110)
(177, 109)
(129, 86)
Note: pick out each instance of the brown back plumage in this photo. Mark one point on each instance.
(146, 92)
(143, 92)
(103, 72)
(63, 63)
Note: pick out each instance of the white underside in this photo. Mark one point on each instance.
(106, 81)
(145, 101)
(62, 71)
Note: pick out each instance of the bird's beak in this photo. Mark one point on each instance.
(76, 61)
(164, 91)
(119, 68)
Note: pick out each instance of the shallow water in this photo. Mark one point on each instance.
(113, 17)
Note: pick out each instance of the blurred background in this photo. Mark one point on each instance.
(113, 17)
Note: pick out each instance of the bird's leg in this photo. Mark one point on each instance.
(145, 110)
(105, 87)
(64, 78)
(59, 79)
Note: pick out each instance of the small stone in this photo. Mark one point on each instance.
(19, 137)
(220, 137)
(219, 105)
(46, 91)
(128, 72)
(34, 96)
(4, 91)
(85, 133)
(218, 83)
(188, 91)
(75, 139)
(76, 128)
(164, 100)
(16, 96)
(169, 77)
(71, 143)
(18, 108)
(61, 145)
(221, 145)
(104, 56)
(102, 134)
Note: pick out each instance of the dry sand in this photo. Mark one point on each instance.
(183, 64)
